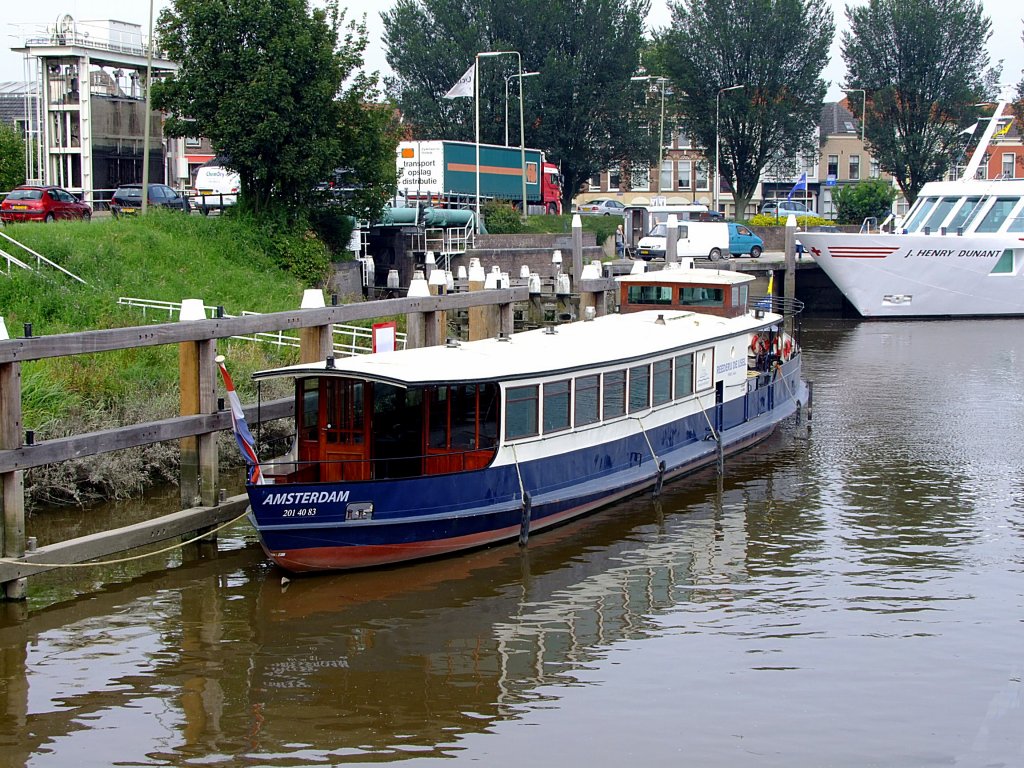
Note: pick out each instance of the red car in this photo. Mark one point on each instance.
(28, 203)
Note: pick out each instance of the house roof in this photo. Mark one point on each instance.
(836, 119)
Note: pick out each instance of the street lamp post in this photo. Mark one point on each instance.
(661, 134)
(718, 101)
(507, 81)
(864, 109)
(476, 103)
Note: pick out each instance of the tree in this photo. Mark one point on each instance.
(922, 65)
(12, 158)
(265, 81)
(581, 109)
(775, 49)
(856, 202)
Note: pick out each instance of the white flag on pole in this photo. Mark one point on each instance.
(464, 85)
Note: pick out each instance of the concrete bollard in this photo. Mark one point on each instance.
(672, 239)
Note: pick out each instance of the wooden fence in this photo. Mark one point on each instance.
(200, 418)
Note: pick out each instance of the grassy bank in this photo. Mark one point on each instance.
(168, 257)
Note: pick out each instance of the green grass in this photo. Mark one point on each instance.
(166, 256)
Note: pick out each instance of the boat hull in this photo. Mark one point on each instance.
(896, 275)
(316, 526)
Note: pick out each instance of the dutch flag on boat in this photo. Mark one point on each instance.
(243, 436)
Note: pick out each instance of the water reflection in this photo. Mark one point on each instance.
(857, 574)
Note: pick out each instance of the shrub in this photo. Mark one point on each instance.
(769, 220)
(856, 202)
(502, 218)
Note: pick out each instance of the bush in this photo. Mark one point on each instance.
(502, 218)
(769, 220)
(856, 202)
(334, 228)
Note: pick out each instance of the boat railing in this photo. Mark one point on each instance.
(869, 226)
(384, 468)
(780, 305)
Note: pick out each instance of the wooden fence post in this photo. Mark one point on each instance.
(13, 482)
(191, 389)
(317, 342)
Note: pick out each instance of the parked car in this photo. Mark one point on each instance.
(216, 188)
(127, 199)
(742, 240)
(784, 208)
(602, 207)
(30, 203)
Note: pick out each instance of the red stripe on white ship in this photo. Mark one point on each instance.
(860, 251)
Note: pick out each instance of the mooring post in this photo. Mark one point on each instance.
(672, 239)
(789, 283)
(315, 343)
(416, 322)
(477, 315)
(13, 532)
(191, 402)
(577, 247)
(436, 331)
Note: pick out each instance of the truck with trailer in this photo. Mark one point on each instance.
(441, 172)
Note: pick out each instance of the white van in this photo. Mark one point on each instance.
(216, 188)
(697, 239)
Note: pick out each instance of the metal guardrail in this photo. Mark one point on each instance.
(40, 260)
(780, 305)
(349, 340)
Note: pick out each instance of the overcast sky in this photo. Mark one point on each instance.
(20, 17)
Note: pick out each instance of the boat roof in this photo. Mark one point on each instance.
(606, 341)
(979, 187)
(677, 276)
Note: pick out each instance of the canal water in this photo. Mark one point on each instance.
(850, 594)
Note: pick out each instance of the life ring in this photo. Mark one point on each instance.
(755, 344)
(777, 346)
(787, 350)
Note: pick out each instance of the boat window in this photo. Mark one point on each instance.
(488, 399)
(701, 296)
(588, 399)
(923, 209)
(521, 412)
(614, 394)
(461, 417)
(964, 214)
(684, 375)
(437, 405)
(556, 406)
(743, 295)
(997, 214)
(662, 391)
(1005, 264)
(1016, 222)
(940, 211)
(639, 388)
(649, 294)
(310, 389)
(344, 413)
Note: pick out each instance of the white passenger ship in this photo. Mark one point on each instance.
(960, 251)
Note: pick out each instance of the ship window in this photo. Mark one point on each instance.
(588, 398)
(521, 412)
(639, 388)
(1005, 264)
(614, 394)
(662, 391)
(556, 406)
(997, 214)
(1017, 222)
(310, 408)
(923, 210)
(965, 214)
(684, 375)
(463, 405)
(940, 212)
(701, 296)
(344, 412)
(649, 294)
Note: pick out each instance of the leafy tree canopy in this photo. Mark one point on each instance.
(775, 49)
(12, 158)
(922, 64)
(276, 88)
(856, 202)
(581, 108)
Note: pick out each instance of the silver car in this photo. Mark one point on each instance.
(601, 207)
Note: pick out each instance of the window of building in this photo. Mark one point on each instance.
(588, 399)
(614, 394)
(521, 412)
(595, 182)
(193, 142)
(683, 140)
(685, 174)
(854, 167)
(665, 181)
(639, 388)
(702, 175)
(833, 166)
(614, 179)
(876, 170)
(1008, 163)
(640, 178)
